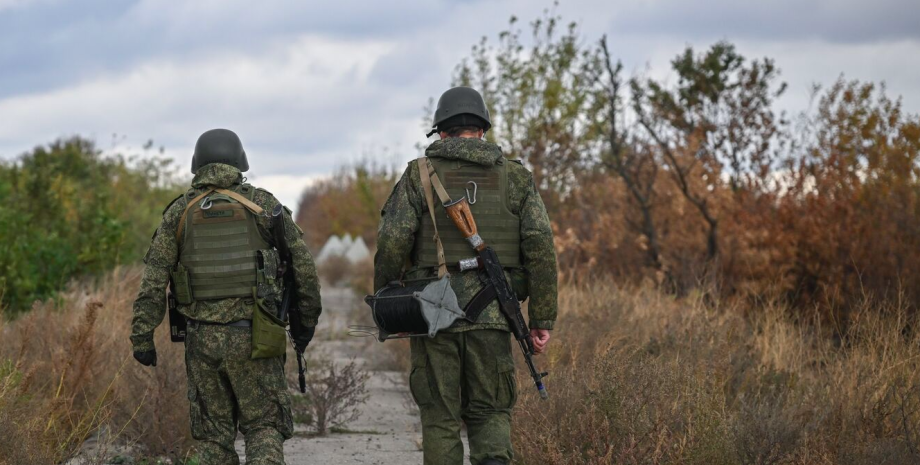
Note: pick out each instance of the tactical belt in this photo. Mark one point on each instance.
(236, 324)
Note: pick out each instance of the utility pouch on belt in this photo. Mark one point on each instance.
(268, 334)
(181, 287)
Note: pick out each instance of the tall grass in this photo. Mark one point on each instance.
(640, 377)
(67, 376)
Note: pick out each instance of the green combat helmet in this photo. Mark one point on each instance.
(460, 106)
(219, 146)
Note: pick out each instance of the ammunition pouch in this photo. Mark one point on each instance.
(181, 286)
(269, 336)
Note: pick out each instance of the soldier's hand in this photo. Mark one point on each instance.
(540, 340)
(148, 358)
(302, 338)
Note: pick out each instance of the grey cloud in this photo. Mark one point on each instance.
(306, 116)
(847, 21)
(48, 44)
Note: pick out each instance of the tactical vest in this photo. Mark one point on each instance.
(220, 246)
(486, 187)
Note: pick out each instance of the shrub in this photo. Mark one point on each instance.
(334, 394)
(68, 210)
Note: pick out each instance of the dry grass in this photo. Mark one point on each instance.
(639, 377)
(636, 377)
(67, 375)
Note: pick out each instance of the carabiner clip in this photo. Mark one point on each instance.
(471, 198)
(206, 203)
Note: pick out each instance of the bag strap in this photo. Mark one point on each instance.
(425, 175)
(233, 195)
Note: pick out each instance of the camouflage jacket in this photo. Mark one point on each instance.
(163, 254)
(401, 218)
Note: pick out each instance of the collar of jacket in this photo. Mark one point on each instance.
(467, 149)
(217, 174)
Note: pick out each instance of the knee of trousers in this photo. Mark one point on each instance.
(216, 453)
(264, 446)
(210, 424)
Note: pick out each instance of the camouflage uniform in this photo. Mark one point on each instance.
(226, 388)
(466, 372)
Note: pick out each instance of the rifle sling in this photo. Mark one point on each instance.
(479, 302)
(425, 175)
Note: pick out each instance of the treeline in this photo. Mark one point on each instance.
(700, 179)
(697, 181)
(68, 210)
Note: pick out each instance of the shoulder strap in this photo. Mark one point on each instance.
(233, 195)
(243, 200)
(425, 174)
(185, 212)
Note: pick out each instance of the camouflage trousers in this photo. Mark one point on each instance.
(469, 377)
(228, 390)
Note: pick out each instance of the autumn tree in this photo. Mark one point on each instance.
(546, 108)
(717, 123)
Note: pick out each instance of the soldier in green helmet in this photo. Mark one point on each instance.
(466, 373)
(215, 250)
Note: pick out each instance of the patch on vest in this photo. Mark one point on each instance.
(217, 213)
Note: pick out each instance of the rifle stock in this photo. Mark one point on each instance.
(459, 212)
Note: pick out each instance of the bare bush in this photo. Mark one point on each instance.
(334, 395)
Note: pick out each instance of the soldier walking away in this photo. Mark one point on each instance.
(466, 373)
(217, 249)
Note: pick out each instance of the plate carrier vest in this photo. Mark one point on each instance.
(220, 245)
(486, 188)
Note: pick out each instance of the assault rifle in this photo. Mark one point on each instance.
(493, 275)
(286, 274)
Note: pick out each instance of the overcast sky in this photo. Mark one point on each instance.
(311, 85)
